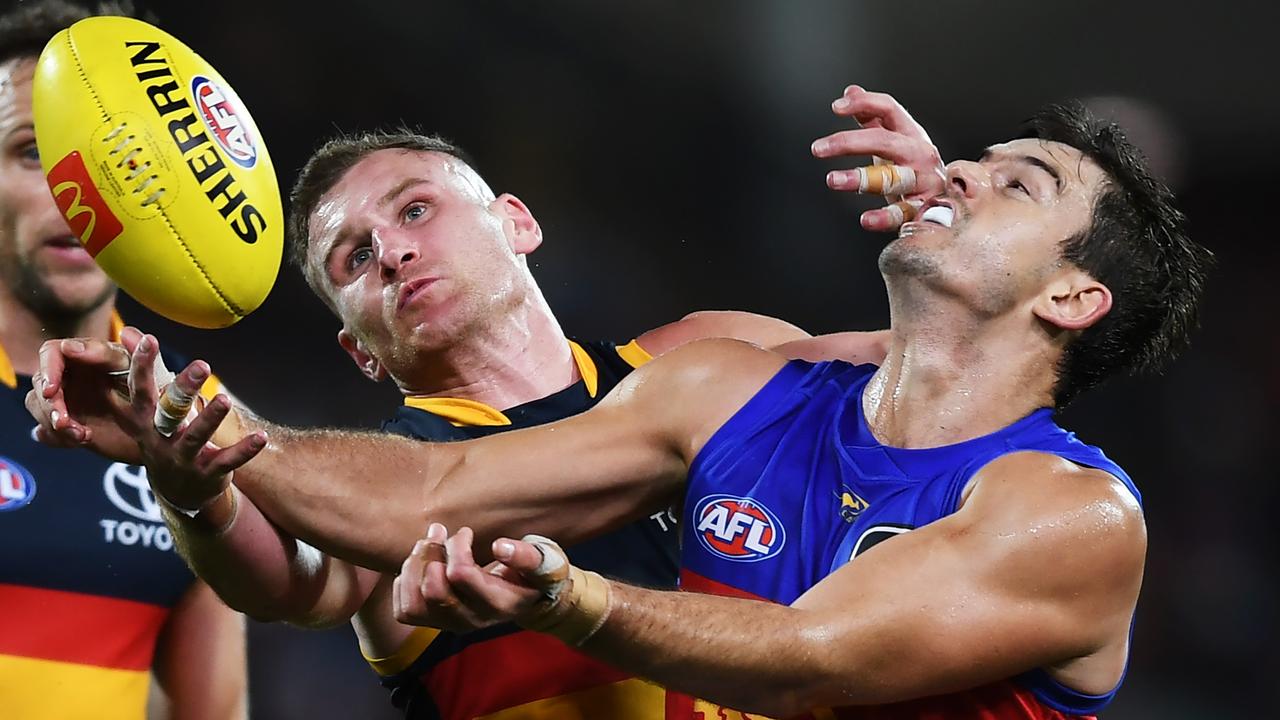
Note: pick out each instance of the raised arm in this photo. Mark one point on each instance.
(368, 498)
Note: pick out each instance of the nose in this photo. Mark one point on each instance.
(964, 178)
(394, 251)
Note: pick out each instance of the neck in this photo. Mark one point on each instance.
(947, 379)
(521, 356)
(22, 331)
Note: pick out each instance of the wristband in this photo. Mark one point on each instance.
(207, 517)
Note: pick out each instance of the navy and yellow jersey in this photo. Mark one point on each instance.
(447, 676)
(89, 573)
(795, 485)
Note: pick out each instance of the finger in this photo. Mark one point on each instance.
(43, 435)
(542, 568)
(52, 366)
(880, 141)
(436, 591)
(888, 179)
(192, 377)
(129, 337)
(142, 386)
(222, 461)
(881, 108)
(407, 595)
(98, 354)
(458, 552)
(891, 217)
(200, 431)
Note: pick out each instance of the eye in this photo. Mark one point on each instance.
(413, 211)
(1017, 185)
(358, 257)
(29, 153)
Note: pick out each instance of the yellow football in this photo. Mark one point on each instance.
(159, 170)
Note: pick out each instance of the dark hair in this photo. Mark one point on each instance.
(26, 29)
(1137, 245)
(327, 166)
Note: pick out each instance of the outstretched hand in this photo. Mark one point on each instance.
(887, 133)
(186, 469)
(80, 390)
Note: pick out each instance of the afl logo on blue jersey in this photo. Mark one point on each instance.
(737, 528)
(17, 487)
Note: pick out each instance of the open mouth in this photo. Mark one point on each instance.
(939, 215)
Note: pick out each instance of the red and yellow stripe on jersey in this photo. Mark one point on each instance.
(86, 584)
(504, 673)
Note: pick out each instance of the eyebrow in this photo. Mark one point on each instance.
(404, 185)
(1033, 161)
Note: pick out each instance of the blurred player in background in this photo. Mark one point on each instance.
(426, 267)
(92, 597)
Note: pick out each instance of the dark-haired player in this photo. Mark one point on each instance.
(928, 541)
(93, 600)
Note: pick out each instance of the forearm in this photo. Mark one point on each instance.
(259, 570)
(367, 497)
(748, 655)
(356, 496)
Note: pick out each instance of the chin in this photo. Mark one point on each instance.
(902, 259)
(69, 295)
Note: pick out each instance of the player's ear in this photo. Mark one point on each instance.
(368, 364)
(524, 234)
(1073, 301)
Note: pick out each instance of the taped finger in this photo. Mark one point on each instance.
(886, 179)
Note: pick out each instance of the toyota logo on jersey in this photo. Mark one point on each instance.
(738, 528)
(17, 487)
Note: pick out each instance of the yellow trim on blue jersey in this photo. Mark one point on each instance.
(461, 412)
(117, 325)
(411, 649)
(633, 354)
(7, 374)
(586, 368)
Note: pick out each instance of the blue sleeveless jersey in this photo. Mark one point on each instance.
(794, 486)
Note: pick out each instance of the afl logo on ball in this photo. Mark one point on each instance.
(219, 109)
(17, 487)
(738, 529)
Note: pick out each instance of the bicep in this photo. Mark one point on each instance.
(981, 595)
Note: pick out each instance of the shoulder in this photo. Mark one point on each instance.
(758, 329)
(694, 389)
(1082, 515)
(722, 362)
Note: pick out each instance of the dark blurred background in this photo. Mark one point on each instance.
(664, 148)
